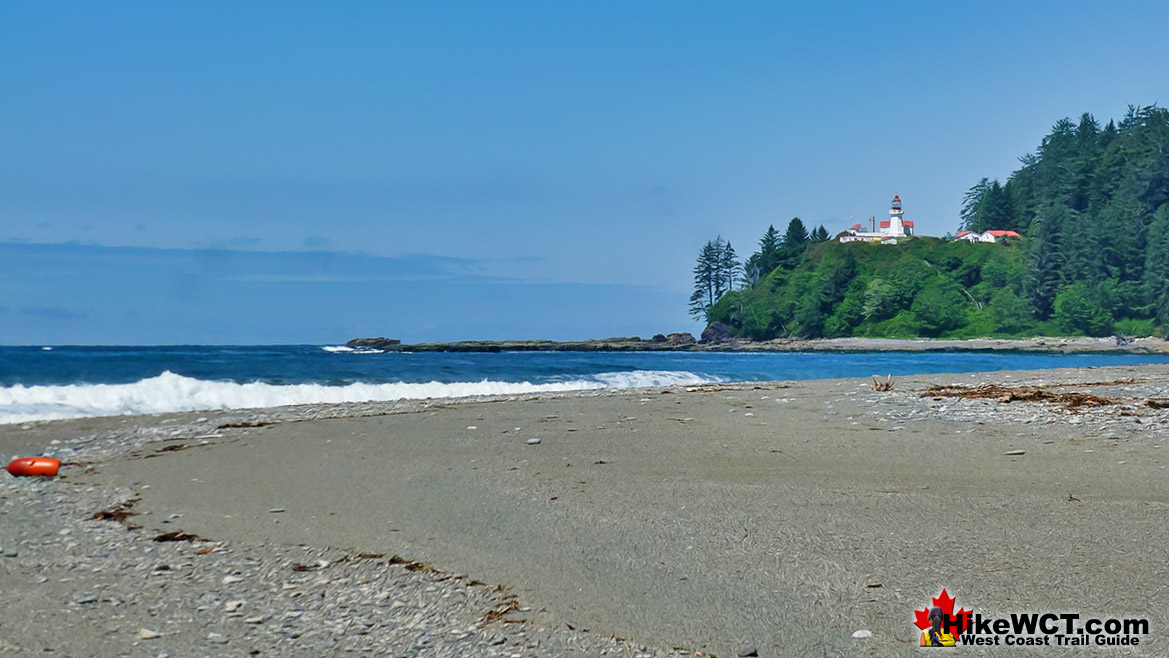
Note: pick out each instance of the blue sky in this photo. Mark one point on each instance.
(309, 172)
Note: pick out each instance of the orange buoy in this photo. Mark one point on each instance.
(34, 466)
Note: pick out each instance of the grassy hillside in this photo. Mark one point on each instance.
(921, 287)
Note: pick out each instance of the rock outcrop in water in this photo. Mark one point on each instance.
(720, 341)
(672, 342)
(373, 343)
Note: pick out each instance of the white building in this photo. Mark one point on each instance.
(985, 236)
(890, 230)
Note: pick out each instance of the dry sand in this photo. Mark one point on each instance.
(781, 515)
(786, 516)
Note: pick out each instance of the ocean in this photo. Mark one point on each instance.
(43, 383)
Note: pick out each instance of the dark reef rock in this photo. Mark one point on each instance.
(717, 333)
(672, 342)
(373, 343)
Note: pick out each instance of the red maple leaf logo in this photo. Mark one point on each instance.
(957, 622)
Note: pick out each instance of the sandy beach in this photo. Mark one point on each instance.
(780, 516)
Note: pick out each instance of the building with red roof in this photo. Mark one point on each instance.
(986, 236)
(890, 229)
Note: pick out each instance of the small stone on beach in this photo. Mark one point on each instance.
(862, 633)
(533, 441)
(276, 510)
(1015, 453)
(147, 634)
(748, 650)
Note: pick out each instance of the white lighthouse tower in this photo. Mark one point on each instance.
(896, 226)
(890, 230)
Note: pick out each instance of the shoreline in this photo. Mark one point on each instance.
(1039, 344)
(786, 515)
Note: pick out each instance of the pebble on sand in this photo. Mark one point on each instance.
(1015, 453)
(533, 442)
(748, 650)
(147, 634)
(863, 633)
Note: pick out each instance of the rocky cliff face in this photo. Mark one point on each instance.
(717, 332)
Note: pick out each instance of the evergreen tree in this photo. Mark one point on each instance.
(762, 262)
(1085, 162)
(706, 291)
(1078, 248)
(770, 254)
(1156, 272)
(752, 270)
(709, 278)
(819, 234)
(1118, 237)
(994, 212)
(1150, 167)
(770, 242)
(1024, 192)
(1056, 172)
(1042, 278)
(1108, 134)
(971, 203)
(730, 268)
(796, 236)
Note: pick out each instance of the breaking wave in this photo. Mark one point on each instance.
(345, 349)
(169, 392)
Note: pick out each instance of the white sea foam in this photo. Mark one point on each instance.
(169, 392)
(635, 378)
(345, 349)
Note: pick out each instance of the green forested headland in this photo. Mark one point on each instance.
(1092, 205)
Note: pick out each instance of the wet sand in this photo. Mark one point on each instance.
(786, 515)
